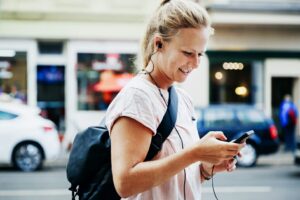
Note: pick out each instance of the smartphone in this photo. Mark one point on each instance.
(244, 137)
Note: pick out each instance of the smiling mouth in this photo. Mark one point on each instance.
(185, 71)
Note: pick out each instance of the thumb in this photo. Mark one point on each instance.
(220, 135)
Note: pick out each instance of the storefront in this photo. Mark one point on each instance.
(72, 88)
(96, 71)
(75, 89)
(73, 71)
(259, 78)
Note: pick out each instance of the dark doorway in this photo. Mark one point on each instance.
(51, 93)
(280, 87)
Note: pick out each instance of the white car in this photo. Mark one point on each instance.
(26, 138)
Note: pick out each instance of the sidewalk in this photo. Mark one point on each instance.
(61, 161)
(279, 158)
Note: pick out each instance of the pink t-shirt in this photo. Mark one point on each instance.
(141, 101)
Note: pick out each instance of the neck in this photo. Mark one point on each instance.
(157, 77)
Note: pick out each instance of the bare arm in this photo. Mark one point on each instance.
(130, 144)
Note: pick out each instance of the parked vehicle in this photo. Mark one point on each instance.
(27, 139)
(233, 120)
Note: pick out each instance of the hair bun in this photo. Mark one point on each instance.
(163, 2)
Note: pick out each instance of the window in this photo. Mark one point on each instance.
(218, 118)
(230, 82)
(13, 75)
(250, 117)
(100, 77)
(6, 115)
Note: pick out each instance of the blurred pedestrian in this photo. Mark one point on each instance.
(288, 119)
(16, 93)
(175, 40)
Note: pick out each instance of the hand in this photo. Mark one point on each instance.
(207, 170)
(227, 165)
(214, 149)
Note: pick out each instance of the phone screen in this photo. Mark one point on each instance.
(244, 137)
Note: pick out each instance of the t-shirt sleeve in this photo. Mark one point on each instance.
(136, 104)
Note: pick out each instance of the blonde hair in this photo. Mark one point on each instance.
(169, 17)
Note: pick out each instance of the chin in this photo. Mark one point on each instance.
(181, 80)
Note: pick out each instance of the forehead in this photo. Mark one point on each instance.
(195, 38)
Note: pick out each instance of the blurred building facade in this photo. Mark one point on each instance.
(59, 53)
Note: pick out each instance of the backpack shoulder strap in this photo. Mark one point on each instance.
(166, 126)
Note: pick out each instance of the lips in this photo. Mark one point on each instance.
(185, 71)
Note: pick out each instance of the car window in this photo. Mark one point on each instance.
(250, 117)
(218, 118)
(6, 115)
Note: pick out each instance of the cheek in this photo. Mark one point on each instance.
(173, 66)
(177, 61)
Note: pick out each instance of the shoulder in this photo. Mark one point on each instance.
(136, 100)
(137, 89)
(135, 93)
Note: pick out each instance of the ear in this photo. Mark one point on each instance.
(157, 43)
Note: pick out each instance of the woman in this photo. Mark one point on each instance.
(174, 42)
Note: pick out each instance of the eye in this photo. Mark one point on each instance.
(187, 53)
(200, 54)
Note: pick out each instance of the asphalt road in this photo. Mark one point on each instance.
(275, 177)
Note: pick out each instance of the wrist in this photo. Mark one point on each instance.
(205, 173)
(192, 154)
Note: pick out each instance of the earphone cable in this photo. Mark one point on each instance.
(181, 140)
(212, 182)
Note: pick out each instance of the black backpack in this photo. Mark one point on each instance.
(89, 165)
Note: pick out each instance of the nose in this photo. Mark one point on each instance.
(196, 61)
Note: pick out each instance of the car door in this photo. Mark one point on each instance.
(7, 126)
(252, 119)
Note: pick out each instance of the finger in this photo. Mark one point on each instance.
(228, 155)
(220, 135)
(234, 147)
(232, 168)
(242, 145)
(231, 163)
(232, 153)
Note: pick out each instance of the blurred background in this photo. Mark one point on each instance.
(59, 54)
(70, 58)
